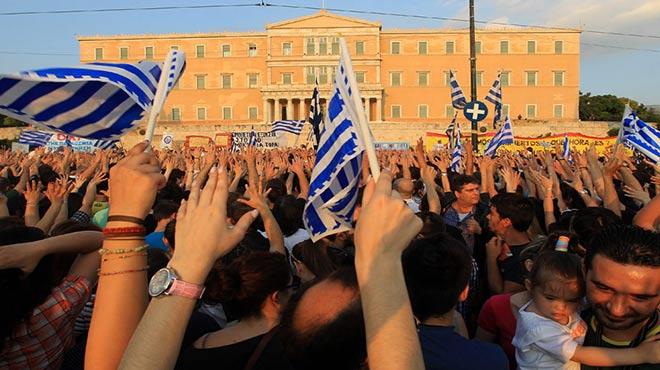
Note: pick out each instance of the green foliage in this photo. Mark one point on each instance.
(10, 122)
(610, 108)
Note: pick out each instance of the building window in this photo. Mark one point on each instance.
(226, 81)
(480, 79)
(505, 111)
(423, 47)
(253, 80)
(531, 110)
(359, 48)
(395, 79)
(446, 79)
(176, 114)
(449, 47)
(558, 111)
(558, 78)
(323, 46)
(201, 114)
(252, 113)
(200, 51)
(559, 47)
(286, 48)
(98, 53)
(174, 47)
(504, 78)
(201, 82)
(226, 113)
(311, 47)
(477, 47)
(423, 79)
(149, 53)
(360, 77)
(323, 75)
(395, 48)
(531, 47)
(123, 53)
(287, 78)
(531, 78)
(310, 75)
(423, 111)
(252, 50)
(226, 50)
(449, 111)
(504, 47)
(396, 111)
(335, 46)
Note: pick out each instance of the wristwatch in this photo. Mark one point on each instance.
(166, 282)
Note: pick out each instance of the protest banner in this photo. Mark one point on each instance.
(76, 143)
(265, 139)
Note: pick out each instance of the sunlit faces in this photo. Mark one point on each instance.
(557, 300)
(468, 195)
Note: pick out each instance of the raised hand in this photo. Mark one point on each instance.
(612, 166)
(32, 193)
(512, 179)
(637, 194)
(257, 197)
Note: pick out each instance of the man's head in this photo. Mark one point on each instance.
(466, 189)
(404, 186)
(437, 272)
(510, 211)
(623, 276)
(165, 211)
(323, 327)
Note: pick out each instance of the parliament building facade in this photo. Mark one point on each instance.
(259, 77)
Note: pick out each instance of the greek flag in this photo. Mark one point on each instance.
(457, 154)
(450, 132)
(495, 96)
(35, 138)
(252, 140)
(502, 137)
(642, 137)
(105, 144)
(566, 152)
(291, 126)
(315, 117)
(457, 97)
(234, 145)
(336, 174)
(94, 101)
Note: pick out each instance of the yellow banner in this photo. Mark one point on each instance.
(578, 142)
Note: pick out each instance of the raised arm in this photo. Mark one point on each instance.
(428, 177)
(610, 197)
(259, 202)
(649, 216)
(299, 169)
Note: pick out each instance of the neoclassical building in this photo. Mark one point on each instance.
(259, 77)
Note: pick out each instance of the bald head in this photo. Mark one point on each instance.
(404, 186)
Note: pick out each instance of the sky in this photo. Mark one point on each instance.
(46, 40)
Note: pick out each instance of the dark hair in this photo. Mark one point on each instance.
(156, 260)
(169, 233)
(339, 343)
(571, 197)
(437, 270)
(461, 180)
(164, 209)
(289, 214)
(516, 208)
(589, 222)
(244, 284)
(626, 245)
(551, 265)
(278, 189)
(315, 257)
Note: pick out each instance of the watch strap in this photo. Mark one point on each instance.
(185, 289)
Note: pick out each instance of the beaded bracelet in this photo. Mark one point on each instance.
(124, 230)
(124, 236)
(131, 219)
(141, 248)
(124, 256)
(122, 271)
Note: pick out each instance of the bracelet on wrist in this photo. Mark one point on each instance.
(129, 231)
(104, 251)
(122, 218)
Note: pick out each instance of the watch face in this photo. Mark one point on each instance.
(160, 282)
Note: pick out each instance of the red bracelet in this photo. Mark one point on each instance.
(124, 230)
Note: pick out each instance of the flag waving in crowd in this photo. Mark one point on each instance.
(457, 154)
(566, 149)
(457, 98)
(336, 174)
(315, 117)
(290, 126)
(640, 136)
(495, 96)
(502, 137)
(95, 101)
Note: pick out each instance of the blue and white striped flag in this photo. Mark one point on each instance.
(94, 101)
(335, 178)
(457, 154)
(290, 126)
(315, 117)
(35, 138)
(457, 98)
(502, 137)
(495, 96)
(642, 137)
(566, 149)
(252, 140)
(105, 144)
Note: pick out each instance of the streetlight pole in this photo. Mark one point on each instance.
(473, 76)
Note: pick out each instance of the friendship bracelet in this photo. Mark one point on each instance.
(123, 271)
(122, 218)
(110, 236)
(122, 256)
(124, 230)
(103, 251)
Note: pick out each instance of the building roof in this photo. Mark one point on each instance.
(322, 19)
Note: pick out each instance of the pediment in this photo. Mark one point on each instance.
(322, 19)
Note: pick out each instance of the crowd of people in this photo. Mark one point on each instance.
(198, 258)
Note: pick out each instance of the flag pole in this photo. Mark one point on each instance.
(362, 122)
(619, 137)
(159, 98)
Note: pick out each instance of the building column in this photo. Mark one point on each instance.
(289, 109)
(367, 109)
(278, 110)
(301, 110)
(379, 110)
(266, 112)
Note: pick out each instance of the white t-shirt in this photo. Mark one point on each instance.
(542, 343)
(290, 241)
(414, 206)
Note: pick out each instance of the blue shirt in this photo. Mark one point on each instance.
(444, 349)
(155, 240)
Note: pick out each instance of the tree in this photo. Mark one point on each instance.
(610, 108)
(10, 122)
